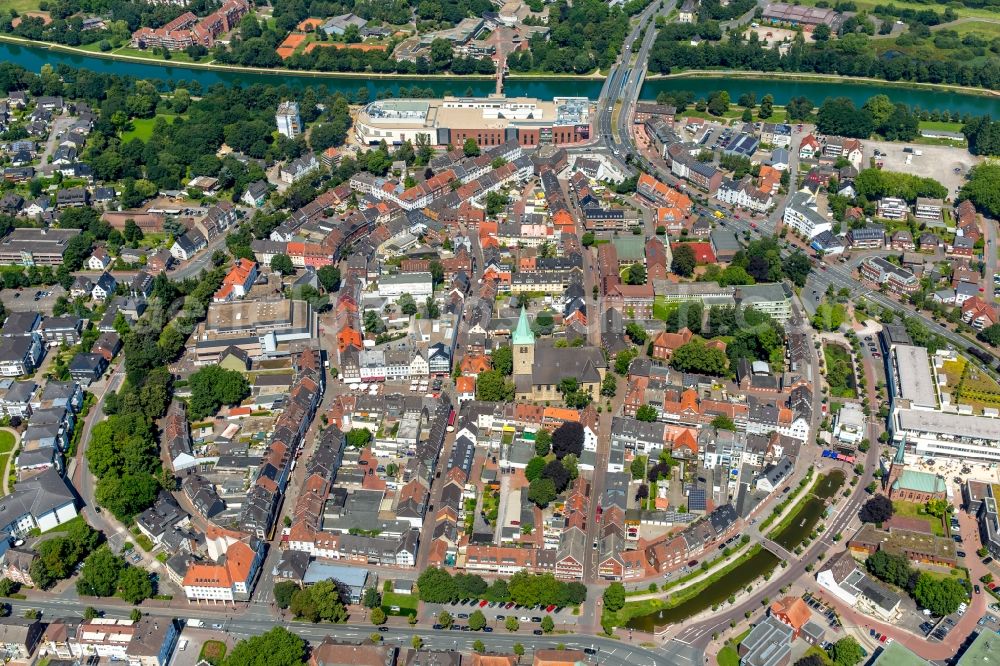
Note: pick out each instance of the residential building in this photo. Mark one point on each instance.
(895, 278)
(801, 214)
(42, 502)
(928, 210)
(21, 355)
(867, 238)
(892, 208)
(288, 119)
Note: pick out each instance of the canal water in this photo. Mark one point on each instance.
(735, 580)
(810, 512)
(758, 565)
(33, 58)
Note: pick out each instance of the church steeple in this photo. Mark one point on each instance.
(523, 335)
(523, 342)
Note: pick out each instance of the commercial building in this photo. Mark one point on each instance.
(260, 328)
(768, 644)
(35, 247)
(490, 121)
(774, 299)
(796, 15)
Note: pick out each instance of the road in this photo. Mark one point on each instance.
(83, 480)
(610, 652)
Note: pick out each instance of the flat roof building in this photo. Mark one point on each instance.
(35, 247)
(490, 121)
(256, 327)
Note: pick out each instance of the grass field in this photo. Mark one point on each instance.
(728, 656)
(914, 510)
(918, 6)
(142, 128)
(988, 28)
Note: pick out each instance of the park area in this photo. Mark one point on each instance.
(968, 385)
(142, 128)
(839, 370)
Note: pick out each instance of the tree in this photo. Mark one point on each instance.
(371, 598)
(888, 568)
(213, 386)
(135, 615)
(799, 108)
(638, 467)
(492, 386)
(445, 619)
(277, 647)
(609, 385)
(636, 274)
(358, 438)
(766, 107)
(614, 597)
(407, 305)
(846, 652)
(696, 356)
(548, 624)
(879, 107)
(635, 332)
(534, 468)
(470, 148)
(378, 616)
(718, 103)
(283, 592)
(983, 188)
(646, 413)
(511, 623)
(937, 507)
(329, 277)
(477, 620)
(568, 438)
(518, 649)
(134, 585)
(99, 577)
(127, 495)
(479, 646)
(557, 473)
(132, 233)
(282, 264)
(723, 422)
(876, 510)
(991, 334)
(503, 360)
(839, 116)
(495, 202)
(683, 262)
(542, 491)
(543, 442)
(821, 32)
(89, 613)
(941, 596)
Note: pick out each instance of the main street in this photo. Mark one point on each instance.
(610, 652)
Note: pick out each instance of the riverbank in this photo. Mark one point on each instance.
(827, 78)
(596, 75)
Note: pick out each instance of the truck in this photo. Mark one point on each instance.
(192, 622)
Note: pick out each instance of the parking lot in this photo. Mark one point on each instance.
(497, 613)
(945, 164)
(23, 300)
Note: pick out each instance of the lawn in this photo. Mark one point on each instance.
(940, 125)
(407, 603)
(6, 442)
(142, 128)
(914, 510)
(22, 5)
(728, 656)
(213, 652)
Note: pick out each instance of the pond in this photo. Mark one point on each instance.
(756, 566)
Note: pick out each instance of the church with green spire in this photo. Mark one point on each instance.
(539, 366)
(910, 485)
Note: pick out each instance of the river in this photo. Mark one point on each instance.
(33, 58)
